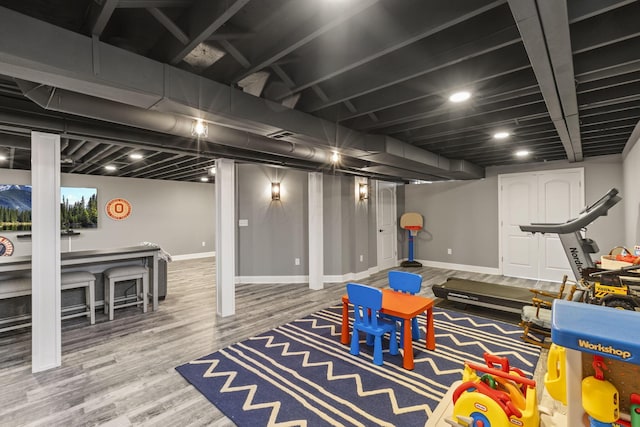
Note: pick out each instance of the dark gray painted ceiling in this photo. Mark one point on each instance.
(285, 82)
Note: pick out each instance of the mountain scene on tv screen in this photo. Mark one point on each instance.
(15, 207)
(78, 208)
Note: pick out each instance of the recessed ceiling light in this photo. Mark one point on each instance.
(3, 157)
(204, 179)
(135, 156)
(460, 96)
(110, 168)
(522, 153)
(501, 135)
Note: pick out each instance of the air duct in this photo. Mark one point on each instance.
(65, 101)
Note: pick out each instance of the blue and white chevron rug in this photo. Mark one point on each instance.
(299, 373)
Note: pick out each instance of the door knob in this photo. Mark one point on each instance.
(380, 230)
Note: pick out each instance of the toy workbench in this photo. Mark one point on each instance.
(586, 330)
(596, 329)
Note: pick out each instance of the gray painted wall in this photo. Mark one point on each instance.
(463, 215)
(332, 225)
(277, 230)
(373, 226)
(632, 199)
(347, 226)
(178, 216)
(361, 226)
(348, 220)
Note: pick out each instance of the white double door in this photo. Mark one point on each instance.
(537, 197)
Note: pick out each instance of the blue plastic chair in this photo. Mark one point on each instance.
(410, 283)
(367, 302)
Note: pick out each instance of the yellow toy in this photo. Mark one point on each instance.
(495, 397)
(555, 380)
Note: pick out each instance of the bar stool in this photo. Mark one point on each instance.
(77, 280)
(115, 275)
(14, 287)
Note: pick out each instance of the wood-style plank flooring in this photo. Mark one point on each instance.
(121, 373)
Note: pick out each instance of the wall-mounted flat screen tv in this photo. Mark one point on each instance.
(78, 207)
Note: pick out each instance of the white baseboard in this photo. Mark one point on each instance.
(193, 256)
(350, 277)
(461, 267)
(338, 278)
(240, 280)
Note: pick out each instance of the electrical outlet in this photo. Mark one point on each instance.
(449, 251)
(297, 261)
(204, 244)
(361, 258)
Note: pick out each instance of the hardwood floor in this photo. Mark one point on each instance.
(121, 373)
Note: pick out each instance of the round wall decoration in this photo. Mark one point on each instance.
(6, 247)
(118, 209)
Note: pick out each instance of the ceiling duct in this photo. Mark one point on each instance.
(130, 89)
(65, 101)
(395, 159)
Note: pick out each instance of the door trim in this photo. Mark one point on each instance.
(394, 237)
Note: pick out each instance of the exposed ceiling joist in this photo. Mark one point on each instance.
(366, 51)
(549, 50)
(200, 21)
(169, 25)
(304, 35)
(99, 15)
(340, 71)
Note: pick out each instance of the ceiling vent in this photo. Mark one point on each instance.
(280, 134)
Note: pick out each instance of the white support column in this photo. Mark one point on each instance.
(225, 236)
(316, 242)
(573, 364)
(46, 350)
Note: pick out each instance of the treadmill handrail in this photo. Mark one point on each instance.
(586, 217)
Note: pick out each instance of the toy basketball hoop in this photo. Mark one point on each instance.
(413, 229)
(412, 222)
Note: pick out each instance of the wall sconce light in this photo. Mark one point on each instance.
(275, 191)
(199, 129)
(363, 191)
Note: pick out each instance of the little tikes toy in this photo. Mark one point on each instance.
(555, 380)
(495, 397)
(634, 409)
(600, 399)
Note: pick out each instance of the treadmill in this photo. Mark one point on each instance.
(511, 298)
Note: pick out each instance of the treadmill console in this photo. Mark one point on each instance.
(586, 217)
(576, 247)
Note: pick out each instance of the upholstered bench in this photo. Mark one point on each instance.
(115, 275)
(76, 280)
